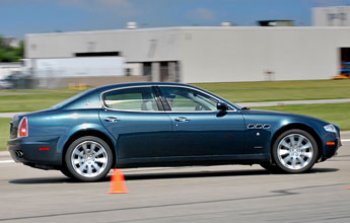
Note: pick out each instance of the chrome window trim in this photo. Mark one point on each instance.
(233, 109)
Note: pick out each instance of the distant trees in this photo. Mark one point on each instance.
(9, 53)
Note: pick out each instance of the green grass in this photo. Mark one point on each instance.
(280, 90)
(31, 100)
(338, 114)
(4, 132)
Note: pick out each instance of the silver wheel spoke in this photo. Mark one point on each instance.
(85, 147)
(284, 152)
(78, 153)
(287, 145)
(300, 141)
(307, 154)
(77, 161)
(101, 160)
(89, 169)
(92, 147)
(82, 167)
(306, 146)
(292, 140)
(287, 158)
(294, 162)
(301, 161)
(96, 167)
(98, 153)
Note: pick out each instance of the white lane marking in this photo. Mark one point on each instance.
(345, 140)
(6, 161)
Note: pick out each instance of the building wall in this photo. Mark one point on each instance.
(77, 82)
(331, 16)
(135, 45)
(212, 54)
(257, 54)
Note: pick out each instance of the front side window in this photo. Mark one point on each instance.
(131, 99)
(185, 99)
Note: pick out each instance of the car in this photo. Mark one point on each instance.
(152, 124)
(5, 84)
(345, 69)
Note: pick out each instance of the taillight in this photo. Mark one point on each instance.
(23, 128)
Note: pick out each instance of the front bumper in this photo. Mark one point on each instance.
(329, 150)
(35, 152)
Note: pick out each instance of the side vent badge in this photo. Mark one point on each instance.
(258, 126)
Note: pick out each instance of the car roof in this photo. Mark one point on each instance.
(105, 88)
(131, 84)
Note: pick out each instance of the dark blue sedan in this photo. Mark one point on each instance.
(165, 124)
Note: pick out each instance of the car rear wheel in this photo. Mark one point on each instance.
(88, 158)
(295, 151)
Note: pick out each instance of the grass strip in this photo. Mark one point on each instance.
(4, 132)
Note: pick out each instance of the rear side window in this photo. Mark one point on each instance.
(131, 99)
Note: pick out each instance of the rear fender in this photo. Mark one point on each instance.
(81, 128)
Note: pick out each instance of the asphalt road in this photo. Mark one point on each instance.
(187, 194)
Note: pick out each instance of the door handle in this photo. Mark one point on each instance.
(111, 119)
(182, 119)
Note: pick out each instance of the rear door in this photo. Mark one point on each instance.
(134, 116)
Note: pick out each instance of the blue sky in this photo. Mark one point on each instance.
(19, 17)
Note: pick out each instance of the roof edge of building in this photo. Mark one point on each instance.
(179, 28)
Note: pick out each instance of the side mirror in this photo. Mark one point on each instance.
(221, 106)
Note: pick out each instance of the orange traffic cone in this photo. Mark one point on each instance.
(118, 185)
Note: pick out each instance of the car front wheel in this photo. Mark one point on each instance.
(295, 151)
(88, 158)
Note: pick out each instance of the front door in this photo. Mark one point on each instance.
(199, 129)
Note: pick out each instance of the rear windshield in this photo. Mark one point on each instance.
(72, 99)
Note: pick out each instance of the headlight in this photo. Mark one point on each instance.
(330, 128)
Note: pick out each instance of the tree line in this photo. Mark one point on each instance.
(9, 53)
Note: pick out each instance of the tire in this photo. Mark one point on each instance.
(270, 167)
(88, 159)
(295, 151)
(65, 172)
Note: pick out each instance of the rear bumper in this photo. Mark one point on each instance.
(36, 153)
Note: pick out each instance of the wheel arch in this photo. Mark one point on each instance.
(300, 126)
(90, 132)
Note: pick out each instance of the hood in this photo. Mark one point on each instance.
(283, 115)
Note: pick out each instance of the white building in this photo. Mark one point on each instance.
(206, 54)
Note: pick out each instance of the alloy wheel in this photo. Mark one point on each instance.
(295, 151)
(89, 159)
